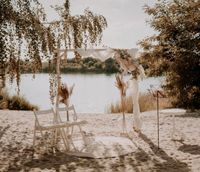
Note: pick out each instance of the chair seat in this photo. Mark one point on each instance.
(77, 122)
(61, 125)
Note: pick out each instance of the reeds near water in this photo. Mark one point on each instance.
(146, 101)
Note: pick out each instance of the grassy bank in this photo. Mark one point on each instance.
(146, 101)
(14, 102)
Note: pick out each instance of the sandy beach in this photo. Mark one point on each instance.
(16, 136)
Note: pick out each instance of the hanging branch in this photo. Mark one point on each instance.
(76, 31)
(79, 30)
(21, 22)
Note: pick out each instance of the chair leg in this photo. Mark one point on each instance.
(44, 140)
(65, 139)
(72, 130)
(34, 134)
(69, 140)
(52, 138)
(83, 135)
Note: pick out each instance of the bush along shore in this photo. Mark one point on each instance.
(83, 65)
(14, 102)
(86, 65)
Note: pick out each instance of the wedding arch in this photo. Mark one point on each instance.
(126, 58)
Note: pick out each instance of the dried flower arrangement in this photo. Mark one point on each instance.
(122, 86)
(127, 62)
(64, 93)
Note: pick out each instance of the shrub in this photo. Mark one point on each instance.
(98, 66)
(111, 66)
(175, 49)
(14, 102)
(90, 60)
(146, 101)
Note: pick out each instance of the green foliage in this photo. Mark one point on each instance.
(175, 49)
(111, 66)
(14, 102)
(88, 65)
(90, 61)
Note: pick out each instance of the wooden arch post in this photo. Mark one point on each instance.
(58, 77)
(58, 74)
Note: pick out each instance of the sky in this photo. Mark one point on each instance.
(127, 22)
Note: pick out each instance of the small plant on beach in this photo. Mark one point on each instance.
(14, 102)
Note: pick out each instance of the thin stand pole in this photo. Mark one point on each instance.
(158, 117)
(67, 115)
(123, 121)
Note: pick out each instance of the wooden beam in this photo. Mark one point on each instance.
(73, 49)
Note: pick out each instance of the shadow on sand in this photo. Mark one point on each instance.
(3, 130)
(192, 149)
(135, 162)
(170, 164)
(190, 115)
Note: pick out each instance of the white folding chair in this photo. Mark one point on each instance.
(48, 123)
(70, 119)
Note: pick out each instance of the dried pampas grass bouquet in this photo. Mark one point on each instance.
(65, 93)
(120, 84)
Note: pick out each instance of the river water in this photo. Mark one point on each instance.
(93, 93)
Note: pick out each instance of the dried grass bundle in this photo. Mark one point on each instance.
(146, 101)
(121, 85)
(65, 92)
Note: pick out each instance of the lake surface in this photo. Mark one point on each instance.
(93, 93)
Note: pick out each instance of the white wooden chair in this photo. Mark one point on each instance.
(48, 123)
(70, 119)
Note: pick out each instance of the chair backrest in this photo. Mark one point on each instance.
(67, 114)
(44, 117)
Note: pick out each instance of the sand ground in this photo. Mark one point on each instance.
(16, 134)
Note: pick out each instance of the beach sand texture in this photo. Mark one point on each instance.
(16, 136)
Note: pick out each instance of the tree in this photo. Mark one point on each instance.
(74, 32)
(111, 66)
(21, 23)
(77, 31)
(175, 49)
